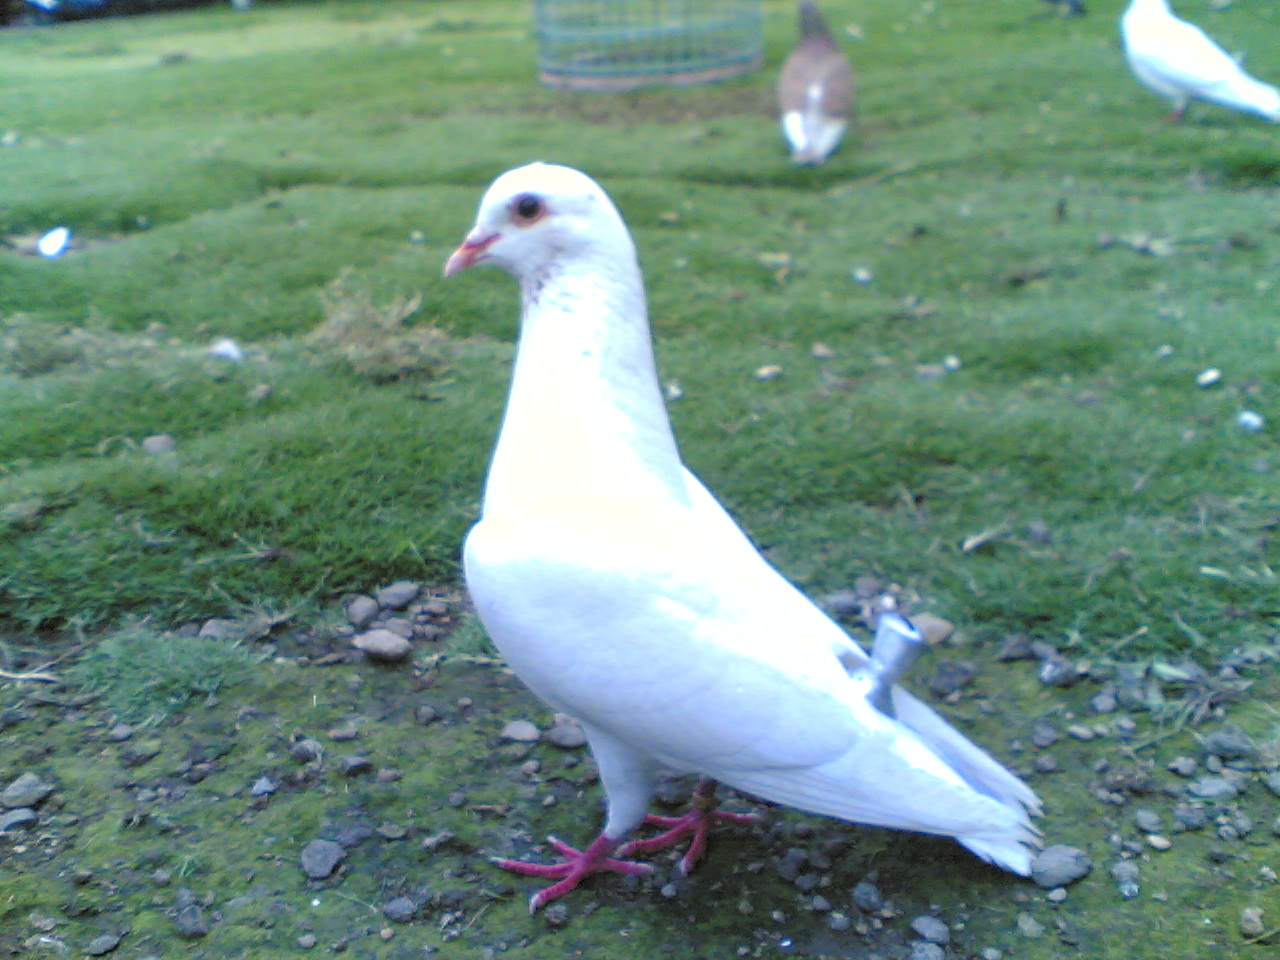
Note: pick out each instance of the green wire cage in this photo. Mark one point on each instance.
(621, 44)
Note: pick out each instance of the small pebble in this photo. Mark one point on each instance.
(304, 751)
(399, 594)
(1250, 420)
(1059, 866)
(1183, 766)
(354, 765)
(321, 857)
(103, 944)
(20, 817)
(931, 929)
(361, 611)
(1209, 377)
(924, 950)
(1127, 874)
(1056, 895)
(399, 909)
(1230, 743)
(158, 443)
(1029, 926)
(556, 915)
(867, 896)
(307, 941)
(26, 791)
(1043, 734)
(1148, 821)
(1252, 923)
(565, 733)
(1158, 842)
(385, 646)
(1214, 788)
(521, 731)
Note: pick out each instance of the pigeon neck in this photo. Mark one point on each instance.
(1151, 6)
(585, 417)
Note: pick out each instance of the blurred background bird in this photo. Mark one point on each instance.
(1176, 60)
(815, 90)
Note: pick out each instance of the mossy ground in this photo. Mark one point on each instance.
(176, 798)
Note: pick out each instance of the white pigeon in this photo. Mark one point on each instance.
(815, 91)
(624, 595)
(1176, 60)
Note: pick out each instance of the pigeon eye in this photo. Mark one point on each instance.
(528, 208)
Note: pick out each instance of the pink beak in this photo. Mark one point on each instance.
(472, 251)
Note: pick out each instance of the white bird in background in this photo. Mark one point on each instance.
(623, 594)
(1175, 59)
(815, 91)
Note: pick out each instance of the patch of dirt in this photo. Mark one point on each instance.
(347, 807)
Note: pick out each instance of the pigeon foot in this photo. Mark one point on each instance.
(696, 823)
(571, 871)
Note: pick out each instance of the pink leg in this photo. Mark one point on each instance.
(696, 823)
(577, 864)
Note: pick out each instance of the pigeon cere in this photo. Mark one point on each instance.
(842, 525)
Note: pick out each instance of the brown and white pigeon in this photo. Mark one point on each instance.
(1175, 59)
(622, 593)
(815, 91)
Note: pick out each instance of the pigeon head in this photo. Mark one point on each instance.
(539, 218)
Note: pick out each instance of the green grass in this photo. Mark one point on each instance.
(144, 675)
(222, 170)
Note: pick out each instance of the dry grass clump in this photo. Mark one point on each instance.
(374, 339)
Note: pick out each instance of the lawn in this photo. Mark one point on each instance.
(1032, 222)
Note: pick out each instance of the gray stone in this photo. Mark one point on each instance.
(158, 443)
(188, 916)
(790, 864)
(1127, 874)
(1213, 788)
(103, 944)
(1043, 734)
(1230, 743)
(925, 950)
(1059, 866)
(867, 896)
(950, 677)
(565, 733)
(354, 765)
(521, 731)
(219, 628)
(361, 611)
(1272, 782)
(23, 818)
(262, 787)
(399, 909)
(1057, 671)
(1189, 816)
(26, 791)
(1148, 821)
(931, 929)
(399, 594)
(385, 646)
(321, 857)
(1183, 766)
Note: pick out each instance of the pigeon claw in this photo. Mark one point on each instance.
(573, 869)
(696, 824)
